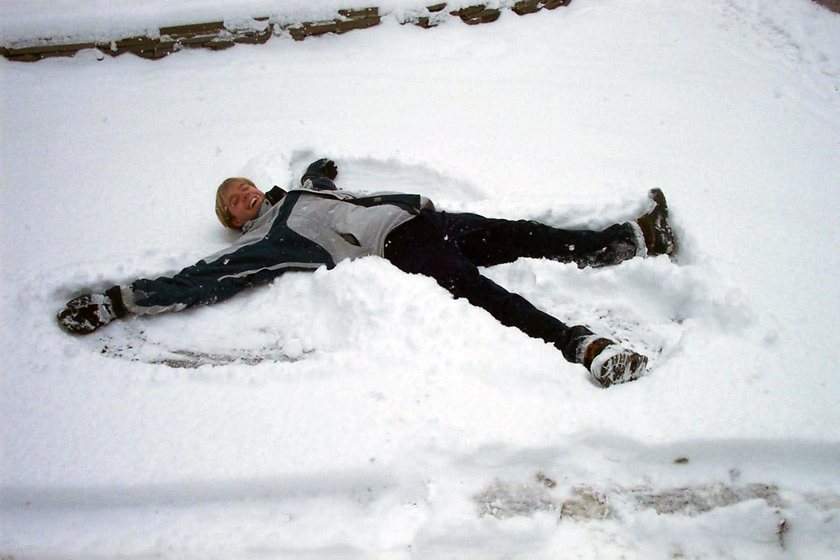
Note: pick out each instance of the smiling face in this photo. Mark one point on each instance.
(242, 200)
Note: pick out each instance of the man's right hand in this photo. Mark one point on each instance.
(86, 313)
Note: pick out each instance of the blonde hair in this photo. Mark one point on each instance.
(222, 212)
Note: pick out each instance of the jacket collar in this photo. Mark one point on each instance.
(264, 207)
(275, 195)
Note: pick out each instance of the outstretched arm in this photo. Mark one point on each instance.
(198, 284)
(210, 280)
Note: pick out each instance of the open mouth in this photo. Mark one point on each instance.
(253, 202)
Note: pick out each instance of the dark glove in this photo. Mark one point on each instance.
(329, 169)
(88, 312)
(322, 168)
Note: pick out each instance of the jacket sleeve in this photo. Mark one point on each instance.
(222, 276)
(198, 284)
(413, 203)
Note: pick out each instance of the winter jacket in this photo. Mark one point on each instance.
(303, 229)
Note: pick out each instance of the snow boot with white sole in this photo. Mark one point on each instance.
(610, 363)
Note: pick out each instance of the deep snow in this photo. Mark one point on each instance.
(369, 414)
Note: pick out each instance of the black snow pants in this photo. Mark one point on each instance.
(450, 247)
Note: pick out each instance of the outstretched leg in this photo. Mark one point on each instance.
(420, 247)
(492, 241)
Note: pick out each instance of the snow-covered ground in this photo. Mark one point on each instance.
(363, 413)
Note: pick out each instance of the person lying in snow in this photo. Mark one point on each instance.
(318, 225)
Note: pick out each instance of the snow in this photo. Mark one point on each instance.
(364, 413)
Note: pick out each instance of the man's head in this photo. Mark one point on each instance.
(238, 200)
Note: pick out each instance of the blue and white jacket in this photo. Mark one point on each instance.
(303, 229)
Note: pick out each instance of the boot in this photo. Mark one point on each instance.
(659, 238)
(610, 363)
